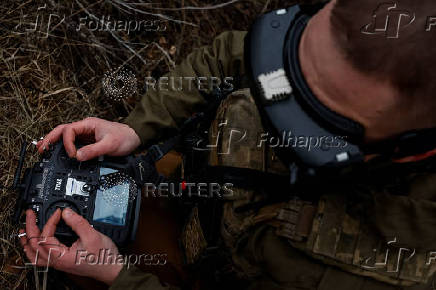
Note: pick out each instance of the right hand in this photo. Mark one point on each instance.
(109, 138)
(43, 249)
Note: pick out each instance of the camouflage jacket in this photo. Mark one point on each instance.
(370, 237)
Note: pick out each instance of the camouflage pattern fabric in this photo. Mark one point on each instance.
(339, 252)
(338, 238)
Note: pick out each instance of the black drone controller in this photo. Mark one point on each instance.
(101, 190)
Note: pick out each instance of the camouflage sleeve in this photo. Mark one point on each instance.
(167, 107)
(133, 278)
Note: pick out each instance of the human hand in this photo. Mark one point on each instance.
(108, 138)
(43, 249)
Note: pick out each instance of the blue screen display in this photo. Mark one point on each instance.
(111, 205)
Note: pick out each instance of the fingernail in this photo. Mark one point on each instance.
(79, 155)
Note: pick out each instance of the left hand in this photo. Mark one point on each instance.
(82, 258)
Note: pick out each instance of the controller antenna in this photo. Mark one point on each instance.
(20, 165)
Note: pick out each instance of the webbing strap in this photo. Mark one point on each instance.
(145, 169)
(292, 220)
(295, 220)
(248, 178)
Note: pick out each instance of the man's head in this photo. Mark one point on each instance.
(372, 62)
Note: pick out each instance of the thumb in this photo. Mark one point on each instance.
(91, 151)
(78, 224)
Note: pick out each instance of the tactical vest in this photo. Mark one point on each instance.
(334, 230)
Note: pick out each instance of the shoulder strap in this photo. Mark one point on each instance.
(145, 165)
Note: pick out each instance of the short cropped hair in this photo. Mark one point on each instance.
(391, 40)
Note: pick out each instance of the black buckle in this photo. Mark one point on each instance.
(155, 153)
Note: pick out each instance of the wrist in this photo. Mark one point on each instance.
(111, 274)
(135, 137)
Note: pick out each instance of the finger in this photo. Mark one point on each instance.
(30, 253)
(23, 239)
(38, 144)
(51, 138)
(50, 227)
(52, 250)
(79, 225)
(91, 151)
(69, 136)
(83, 127)
(32, 229)
(41, 245)
(34, 257)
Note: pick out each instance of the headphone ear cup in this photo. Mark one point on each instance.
(285, 100)
(319, 112)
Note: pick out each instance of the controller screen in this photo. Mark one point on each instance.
(111, 204)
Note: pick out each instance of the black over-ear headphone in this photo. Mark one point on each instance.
(288, 104)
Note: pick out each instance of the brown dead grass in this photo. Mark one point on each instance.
(46, 81)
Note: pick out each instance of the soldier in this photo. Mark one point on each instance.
(376, 233)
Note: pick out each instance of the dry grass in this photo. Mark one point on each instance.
(46, 80)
